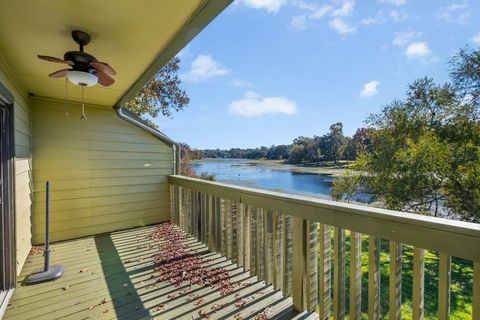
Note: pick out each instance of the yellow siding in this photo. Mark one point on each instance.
(23, 161)
(105, 173)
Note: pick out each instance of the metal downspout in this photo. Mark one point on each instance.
(175, 146)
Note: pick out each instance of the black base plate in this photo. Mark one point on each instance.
(81, 37)
(54, 272)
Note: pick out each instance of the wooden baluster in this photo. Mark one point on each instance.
(395, 281)
(247, 242)
(198, 213)
(254, 239)
(186, 205)
(234, 231)
(186, 209)
(218, 225)
(260, 245)
(476, 291)
(196, 216)
(444, 278)
(204, 215)
(267, 243)
(176, 201)
(191, 211)
(277, 251)
(299, 277)
(223, 229)
(288, 254)
(275, 269)
(172, 199)
(228, 229)
(181, 209)
(312, 265)
(173, 216)
(355, 311)
(373, 278)
(181, 216)
(339, 274)
(418, 284)
(240, 233)
(325, 272)
(211, 222)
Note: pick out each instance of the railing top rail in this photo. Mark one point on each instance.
(456, 238)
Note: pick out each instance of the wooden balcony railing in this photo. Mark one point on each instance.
(286, 240)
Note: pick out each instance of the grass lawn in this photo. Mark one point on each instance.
(461, 284)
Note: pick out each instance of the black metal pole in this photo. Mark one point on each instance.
(47, 226)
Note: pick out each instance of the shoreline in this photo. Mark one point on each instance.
(280, 165)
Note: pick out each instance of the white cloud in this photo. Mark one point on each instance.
(378, 19)
(403, 38)
(242, 84)
(345, 10)
(338, 11)
(418, 50)
(370, 89)
(476, 39)
(320, 11)
(270, 5)
(341, 26)
(314, 12)
(454, 13)
(204, 67)
(397, 16)
(394, 2)
(253, 105)
(298, 22)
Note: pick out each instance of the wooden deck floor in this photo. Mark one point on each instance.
(112, 276)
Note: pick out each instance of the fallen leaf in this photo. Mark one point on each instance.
(203, 314)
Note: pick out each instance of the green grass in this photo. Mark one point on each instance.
(461, 284)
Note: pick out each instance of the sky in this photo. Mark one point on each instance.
(267, 71)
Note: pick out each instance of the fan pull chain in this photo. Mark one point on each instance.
(66, 87)
(83, 117)
(65, 100)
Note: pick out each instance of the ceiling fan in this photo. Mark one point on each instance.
(85, 70)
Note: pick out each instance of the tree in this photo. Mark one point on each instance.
(161, 95)
(465, 74)
(349, 149)
(297, 154)
(307, 150)
(332, 143)
(424, 153)
(186, 160)
(280, 152)
(362, 141)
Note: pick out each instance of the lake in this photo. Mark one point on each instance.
(240, 172)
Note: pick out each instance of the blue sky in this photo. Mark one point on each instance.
(267, 71)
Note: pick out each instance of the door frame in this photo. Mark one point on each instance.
(8, 261)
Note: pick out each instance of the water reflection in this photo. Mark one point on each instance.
(245, 174)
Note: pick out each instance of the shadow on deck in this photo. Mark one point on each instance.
(112, 276)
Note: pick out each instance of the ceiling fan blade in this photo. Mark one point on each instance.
(103, 67)
(59, 73)
(53, 59)
(104, 79)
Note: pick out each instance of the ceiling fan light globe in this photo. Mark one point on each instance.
(81, 78)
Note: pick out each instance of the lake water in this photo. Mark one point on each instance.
(257, 176)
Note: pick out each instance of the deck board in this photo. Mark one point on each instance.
(112, 276)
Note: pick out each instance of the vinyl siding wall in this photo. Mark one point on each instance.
(23, 161)
(105, 173)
